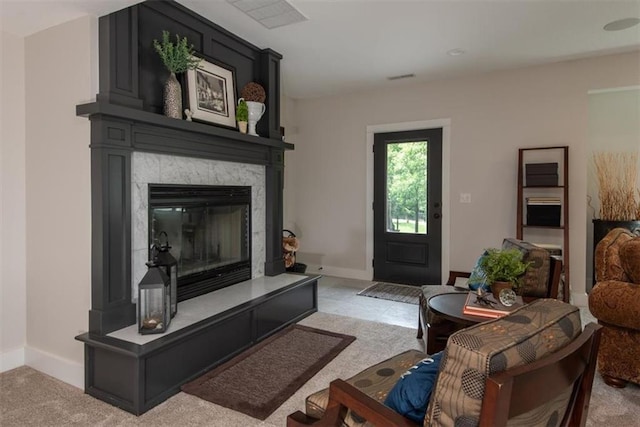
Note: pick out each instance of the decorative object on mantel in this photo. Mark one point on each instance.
(188, 114)
(169, 264)
(212, 94)
(254, 95)
(154, 301)
(177, 58)
(616, 175)
(253, 92)
(242, 115)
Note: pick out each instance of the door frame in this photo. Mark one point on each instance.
(445, 124)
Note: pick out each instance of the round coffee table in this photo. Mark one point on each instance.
(446, 317)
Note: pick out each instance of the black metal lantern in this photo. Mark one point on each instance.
(154, 311)
(166, 261)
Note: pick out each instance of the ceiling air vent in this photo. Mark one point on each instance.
(270, 13)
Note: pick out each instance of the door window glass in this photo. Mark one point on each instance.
(407, 187)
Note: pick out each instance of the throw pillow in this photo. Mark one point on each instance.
(410, 395)
(461, 283)
(478, 278)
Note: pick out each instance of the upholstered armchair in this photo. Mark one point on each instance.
(490, 374)
(615, 302)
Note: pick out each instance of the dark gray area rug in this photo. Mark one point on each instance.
(259, 380)
(393, 292)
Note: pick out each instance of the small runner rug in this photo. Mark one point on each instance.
(393, 292)
(259, 380)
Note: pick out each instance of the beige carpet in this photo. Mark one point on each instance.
(30, 398)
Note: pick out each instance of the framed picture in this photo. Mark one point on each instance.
(212, 94)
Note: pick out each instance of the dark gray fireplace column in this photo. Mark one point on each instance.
(111, 306)
(274, 262)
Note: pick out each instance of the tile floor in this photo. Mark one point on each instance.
(338, 295)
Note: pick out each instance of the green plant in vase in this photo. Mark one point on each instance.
(503, 268)
(177, 58)
(242, 115)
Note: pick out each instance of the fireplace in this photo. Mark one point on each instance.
(209, 229)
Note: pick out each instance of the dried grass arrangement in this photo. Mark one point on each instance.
(617, 175)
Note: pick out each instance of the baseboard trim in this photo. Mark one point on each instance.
(346, 273)
(63, 369)
(580, 299)
(11, 359)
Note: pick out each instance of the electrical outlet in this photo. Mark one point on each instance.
(465, 197)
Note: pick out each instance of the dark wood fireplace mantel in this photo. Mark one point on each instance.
(127, 117)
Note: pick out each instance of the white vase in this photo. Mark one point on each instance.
(256, 110)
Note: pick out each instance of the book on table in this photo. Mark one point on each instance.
(493, 308)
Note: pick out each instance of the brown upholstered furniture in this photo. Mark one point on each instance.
(615, 302)
(490, 373)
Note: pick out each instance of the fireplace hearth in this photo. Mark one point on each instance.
(209, 229)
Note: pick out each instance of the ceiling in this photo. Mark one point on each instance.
(350, 45)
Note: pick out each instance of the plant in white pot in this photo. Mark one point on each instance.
(242, 115)
(177, 58)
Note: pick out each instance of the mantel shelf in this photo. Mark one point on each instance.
(140, 116)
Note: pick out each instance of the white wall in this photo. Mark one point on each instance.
(12, 205)
(60, 73)
(492, 115)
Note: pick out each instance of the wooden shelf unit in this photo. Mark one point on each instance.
(559, 154)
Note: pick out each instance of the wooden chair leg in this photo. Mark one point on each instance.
(614, 382)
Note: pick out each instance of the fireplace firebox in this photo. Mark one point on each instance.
(209, 229)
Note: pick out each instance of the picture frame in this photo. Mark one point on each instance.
(211, 94)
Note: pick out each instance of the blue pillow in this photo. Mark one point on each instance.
(478, 278)
(410, 395)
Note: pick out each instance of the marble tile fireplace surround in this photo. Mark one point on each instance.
(148, 168)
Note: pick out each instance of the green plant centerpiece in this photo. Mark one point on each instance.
(242, 115)
(503, 266)
(177, 58)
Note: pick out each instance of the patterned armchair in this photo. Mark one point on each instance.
(483, 369)
(615, 302)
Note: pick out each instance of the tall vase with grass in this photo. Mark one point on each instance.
(617, 179)
(177, 58)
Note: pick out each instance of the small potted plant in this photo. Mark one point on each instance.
(242, 115)
(503, 268)
(177, 58)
